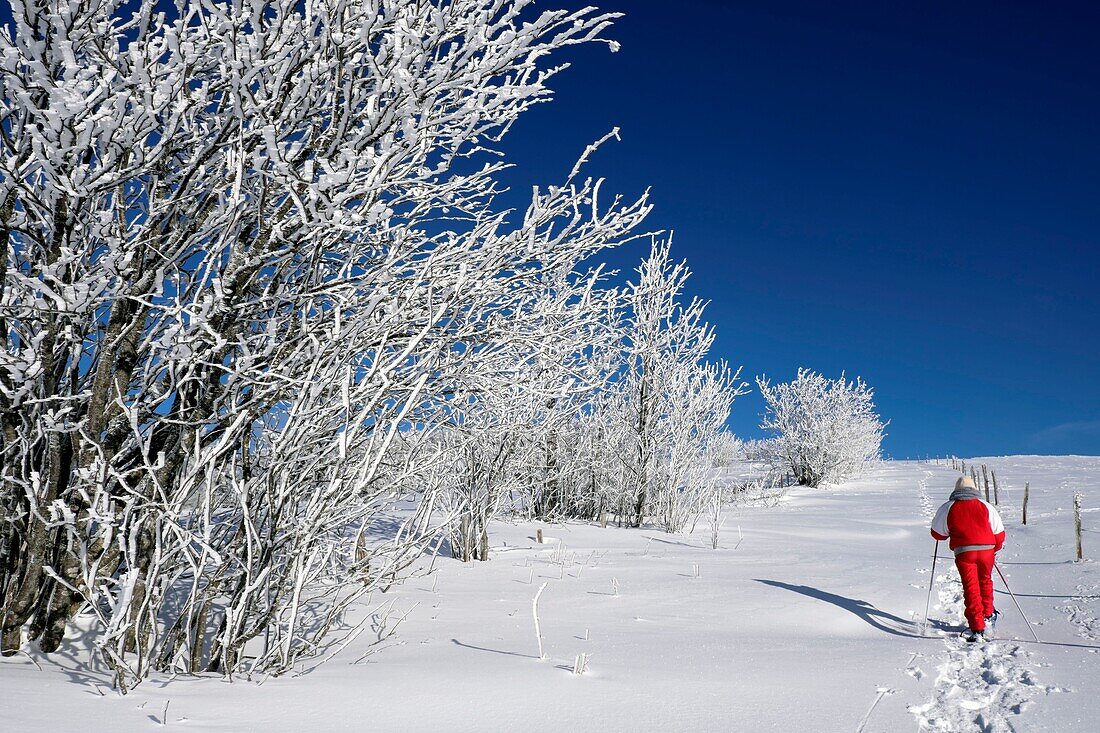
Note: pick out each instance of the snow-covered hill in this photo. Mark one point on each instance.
(807, 618)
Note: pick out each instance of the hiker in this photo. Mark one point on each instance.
(976, 533)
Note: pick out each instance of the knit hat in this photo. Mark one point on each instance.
(965, 482)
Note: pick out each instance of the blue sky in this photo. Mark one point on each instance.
(902, 191)
(907, 192)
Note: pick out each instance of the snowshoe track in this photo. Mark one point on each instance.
(980, 686)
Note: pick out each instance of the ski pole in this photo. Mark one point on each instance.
(931, 580)
(1005, 581)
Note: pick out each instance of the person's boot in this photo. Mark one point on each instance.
(974, 636)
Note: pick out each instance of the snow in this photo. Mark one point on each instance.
(813, 622)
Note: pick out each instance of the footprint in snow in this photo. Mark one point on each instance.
(1079, 611)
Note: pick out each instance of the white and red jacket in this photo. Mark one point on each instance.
(970, 524)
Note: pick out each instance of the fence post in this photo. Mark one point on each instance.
(1077, 522)
(1027, 491)
(996, 498)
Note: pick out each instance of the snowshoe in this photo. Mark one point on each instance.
(974, 636)
(991, 623)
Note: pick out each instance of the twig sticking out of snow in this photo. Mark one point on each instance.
(33, 660)
(535, 614)
(882, 692)
(383, 629)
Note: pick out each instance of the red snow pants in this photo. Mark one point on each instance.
(976, 569)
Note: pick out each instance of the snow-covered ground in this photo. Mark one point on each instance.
(808, 618)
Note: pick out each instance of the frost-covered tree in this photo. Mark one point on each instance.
(825, 430)
(670, 404)
(250, 254)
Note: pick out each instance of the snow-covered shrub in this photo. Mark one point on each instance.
(824, 430)
(250, 256)
(728, 450)
(760, 449)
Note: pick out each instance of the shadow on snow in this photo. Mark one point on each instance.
(877, 618)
